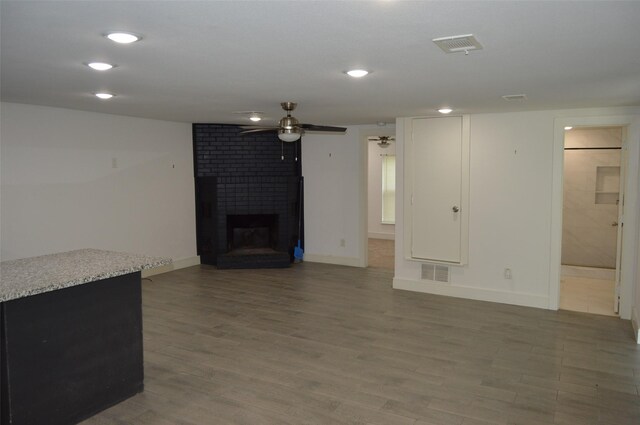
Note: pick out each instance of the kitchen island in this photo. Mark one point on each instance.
(71, 334)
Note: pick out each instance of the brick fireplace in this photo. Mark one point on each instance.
(247, 192)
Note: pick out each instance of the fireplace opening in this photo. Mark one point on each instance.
(251, 234)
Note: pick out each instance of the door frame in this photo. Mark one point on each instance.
(624, 161)
(630, 229)
(364, 133)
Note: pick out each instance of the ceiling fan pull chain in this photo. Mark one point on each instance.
(282, 147)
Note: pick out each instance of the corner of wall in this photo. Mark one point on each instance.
(174, 265)
(635, 322)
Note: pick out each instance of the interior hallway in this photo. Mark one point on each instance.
(381, 253)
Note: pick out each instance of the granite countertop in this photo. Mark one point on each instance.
(30, 276)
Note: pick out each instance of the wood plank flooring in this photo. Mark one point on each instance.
(323, 344)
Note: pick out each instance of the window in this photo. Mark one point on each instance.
(389, 189)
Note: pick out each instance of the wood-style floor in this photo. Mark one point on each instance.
(323, 344)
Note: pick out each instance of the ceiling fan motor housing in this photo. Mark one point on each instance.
(289, 123)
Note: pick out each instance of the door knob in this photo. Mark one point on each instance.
(455, 209)
(614, 224)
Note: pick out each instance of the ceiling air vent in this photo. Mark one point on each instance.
(458, 43)
(511, 97)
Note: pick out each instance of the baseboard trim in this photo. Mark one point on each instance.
(447, 289)
(635, 322)
(175, 265)
(330, 259)
(388, 236)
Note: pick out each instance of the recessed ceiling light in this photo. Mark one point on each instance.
(357, 73)
(568, 127)
(445, 110)
(123, 37)
(104, 95)
(255, 118)
(99, 66)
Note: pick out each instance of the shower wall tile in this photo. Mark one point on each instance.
(588, 238)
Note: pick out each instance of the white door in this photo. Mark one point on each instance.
(437, 208)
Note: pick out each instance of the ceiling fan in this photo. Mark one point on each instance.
(290, 129)
(383, 141)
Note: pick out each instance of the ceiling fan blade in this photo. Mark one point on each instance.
(323, 128)
(258, 130)
(253, 127)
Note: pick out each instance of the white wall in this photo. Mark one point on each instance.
(510, 219)
(60, 191)
(335, 174)
(376, 228)
(330, 166)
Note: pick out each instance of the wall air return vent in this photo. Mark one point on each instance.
(458, 43)
(435, 272)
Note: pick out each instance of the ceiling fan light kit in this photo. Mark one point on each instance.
(288, 135)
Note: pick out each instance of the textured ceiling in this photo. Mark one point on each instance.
(201, 61)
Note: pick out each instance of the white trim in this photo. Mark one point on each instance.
(175, 265)
(363, 203)
(447, 289)
(629, 247)
(332, 259)
(376, 235)
(635, 322)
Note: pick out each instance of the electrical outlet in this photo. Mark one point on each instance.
(507, 274)
(342, 243)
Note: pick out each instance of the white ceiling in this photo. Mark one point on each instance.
(201, 61)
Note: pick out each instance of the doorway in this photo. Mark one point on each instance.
(593, 186)
(381, 171)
